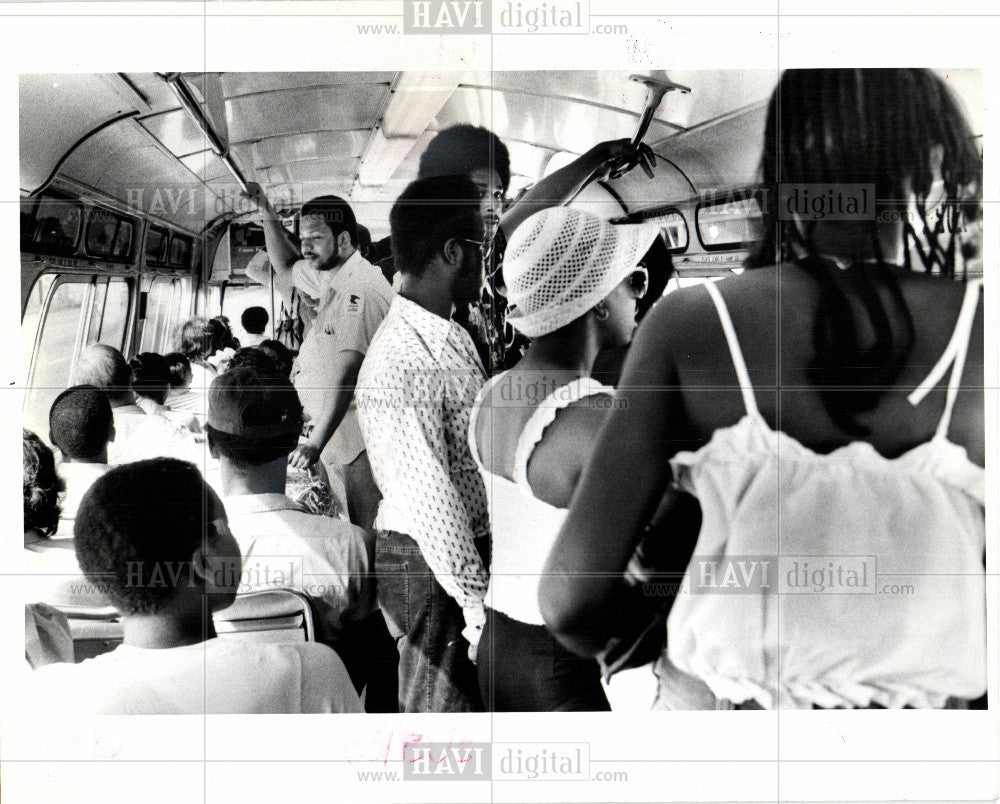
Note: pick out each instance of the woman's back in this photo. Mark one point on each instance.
(834, 531)
(773, 313)
(561, 447)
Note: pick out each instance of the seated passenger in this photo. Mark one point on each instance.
(81, 427)
(42, 489)
(573, 287)
(137, 435)
(141, 534)
(179, 368)
(282, 356)
(201, 340)
(151, 383)
(254, 420)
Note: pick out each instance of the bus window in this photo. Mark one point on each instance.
(62, 326)
(156, 241)
(728, 223)
(180, 252)
(101, 233)
(32, 316)
(168, 303)
(57, 225)
(109, 314)
(108, 235)
(123, 242)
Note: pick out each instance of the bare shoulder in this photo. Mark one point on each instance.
(581, 420)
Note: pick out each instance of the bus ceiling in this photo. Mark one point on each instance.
(177, 147)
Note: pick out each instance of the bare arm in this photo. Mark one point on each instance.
(280, 251)
(623, 486)
(563, 184)
(343, 371)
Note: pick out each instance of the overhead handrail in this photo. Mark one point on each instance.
(191, 105)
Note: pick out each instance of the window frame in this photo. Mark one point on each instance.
(120, 220)
(733, 196)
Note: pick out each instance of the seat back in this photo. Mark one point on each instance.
(272, 615)
(94, 624)
(266, 615)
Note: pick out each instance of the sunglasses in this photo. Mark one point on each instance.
(638, 282)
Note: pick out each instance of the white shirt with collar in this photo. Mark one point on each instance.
(415, 392)
(284, 545)
(355, 300)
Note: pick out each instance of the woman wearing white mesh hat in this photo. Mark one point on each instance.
(573, 281)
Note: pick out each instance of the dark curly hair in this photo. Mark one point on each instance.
(136, 530)
(151, 376)
(461, 149)
(42, 486)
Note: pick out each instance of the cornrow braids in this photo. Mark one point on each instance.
(882, 127)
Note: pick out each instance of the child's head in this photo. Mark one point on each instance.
(155, 536)
(81, 424)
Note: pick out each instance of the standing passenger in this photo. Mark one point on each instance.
(573, 284)
(822, 410)
(357, 297)
(414, 394)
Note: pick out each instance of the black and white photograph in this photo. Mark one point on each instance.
(495, 423)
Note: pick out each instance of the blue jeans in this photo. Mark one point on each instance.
(435, 673)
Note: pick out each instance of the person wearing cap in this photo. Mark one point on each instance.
(573, 282)
(415, 390)
(254, 420)
(155, 539)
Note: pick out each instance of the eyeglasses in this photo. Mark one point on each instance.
(638, 282)
(480, 244)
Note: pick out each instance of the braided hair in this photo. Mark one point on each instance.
(883, 127)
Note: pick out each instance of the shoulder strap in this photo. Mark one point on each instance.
(543, 416)
(749, 402)
(474, 419)
(953, 356)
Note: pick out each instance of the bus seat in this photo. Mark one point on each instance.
(267, 615)
(272, 615)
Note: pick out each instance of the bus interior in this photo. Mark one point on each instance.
(133, 216)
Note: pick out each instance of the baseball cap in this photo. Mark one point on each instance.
(253, 404)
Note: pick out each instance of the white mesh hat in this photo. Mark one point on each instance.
(562, 261)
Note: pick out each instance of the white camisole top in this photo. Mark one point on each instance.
(524, 528)
(875, 589)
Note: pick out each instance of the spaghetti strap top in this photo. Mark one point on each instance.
(746, 388)
(870, 584)
(543, 416)
(954, 356)
(524, 527)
